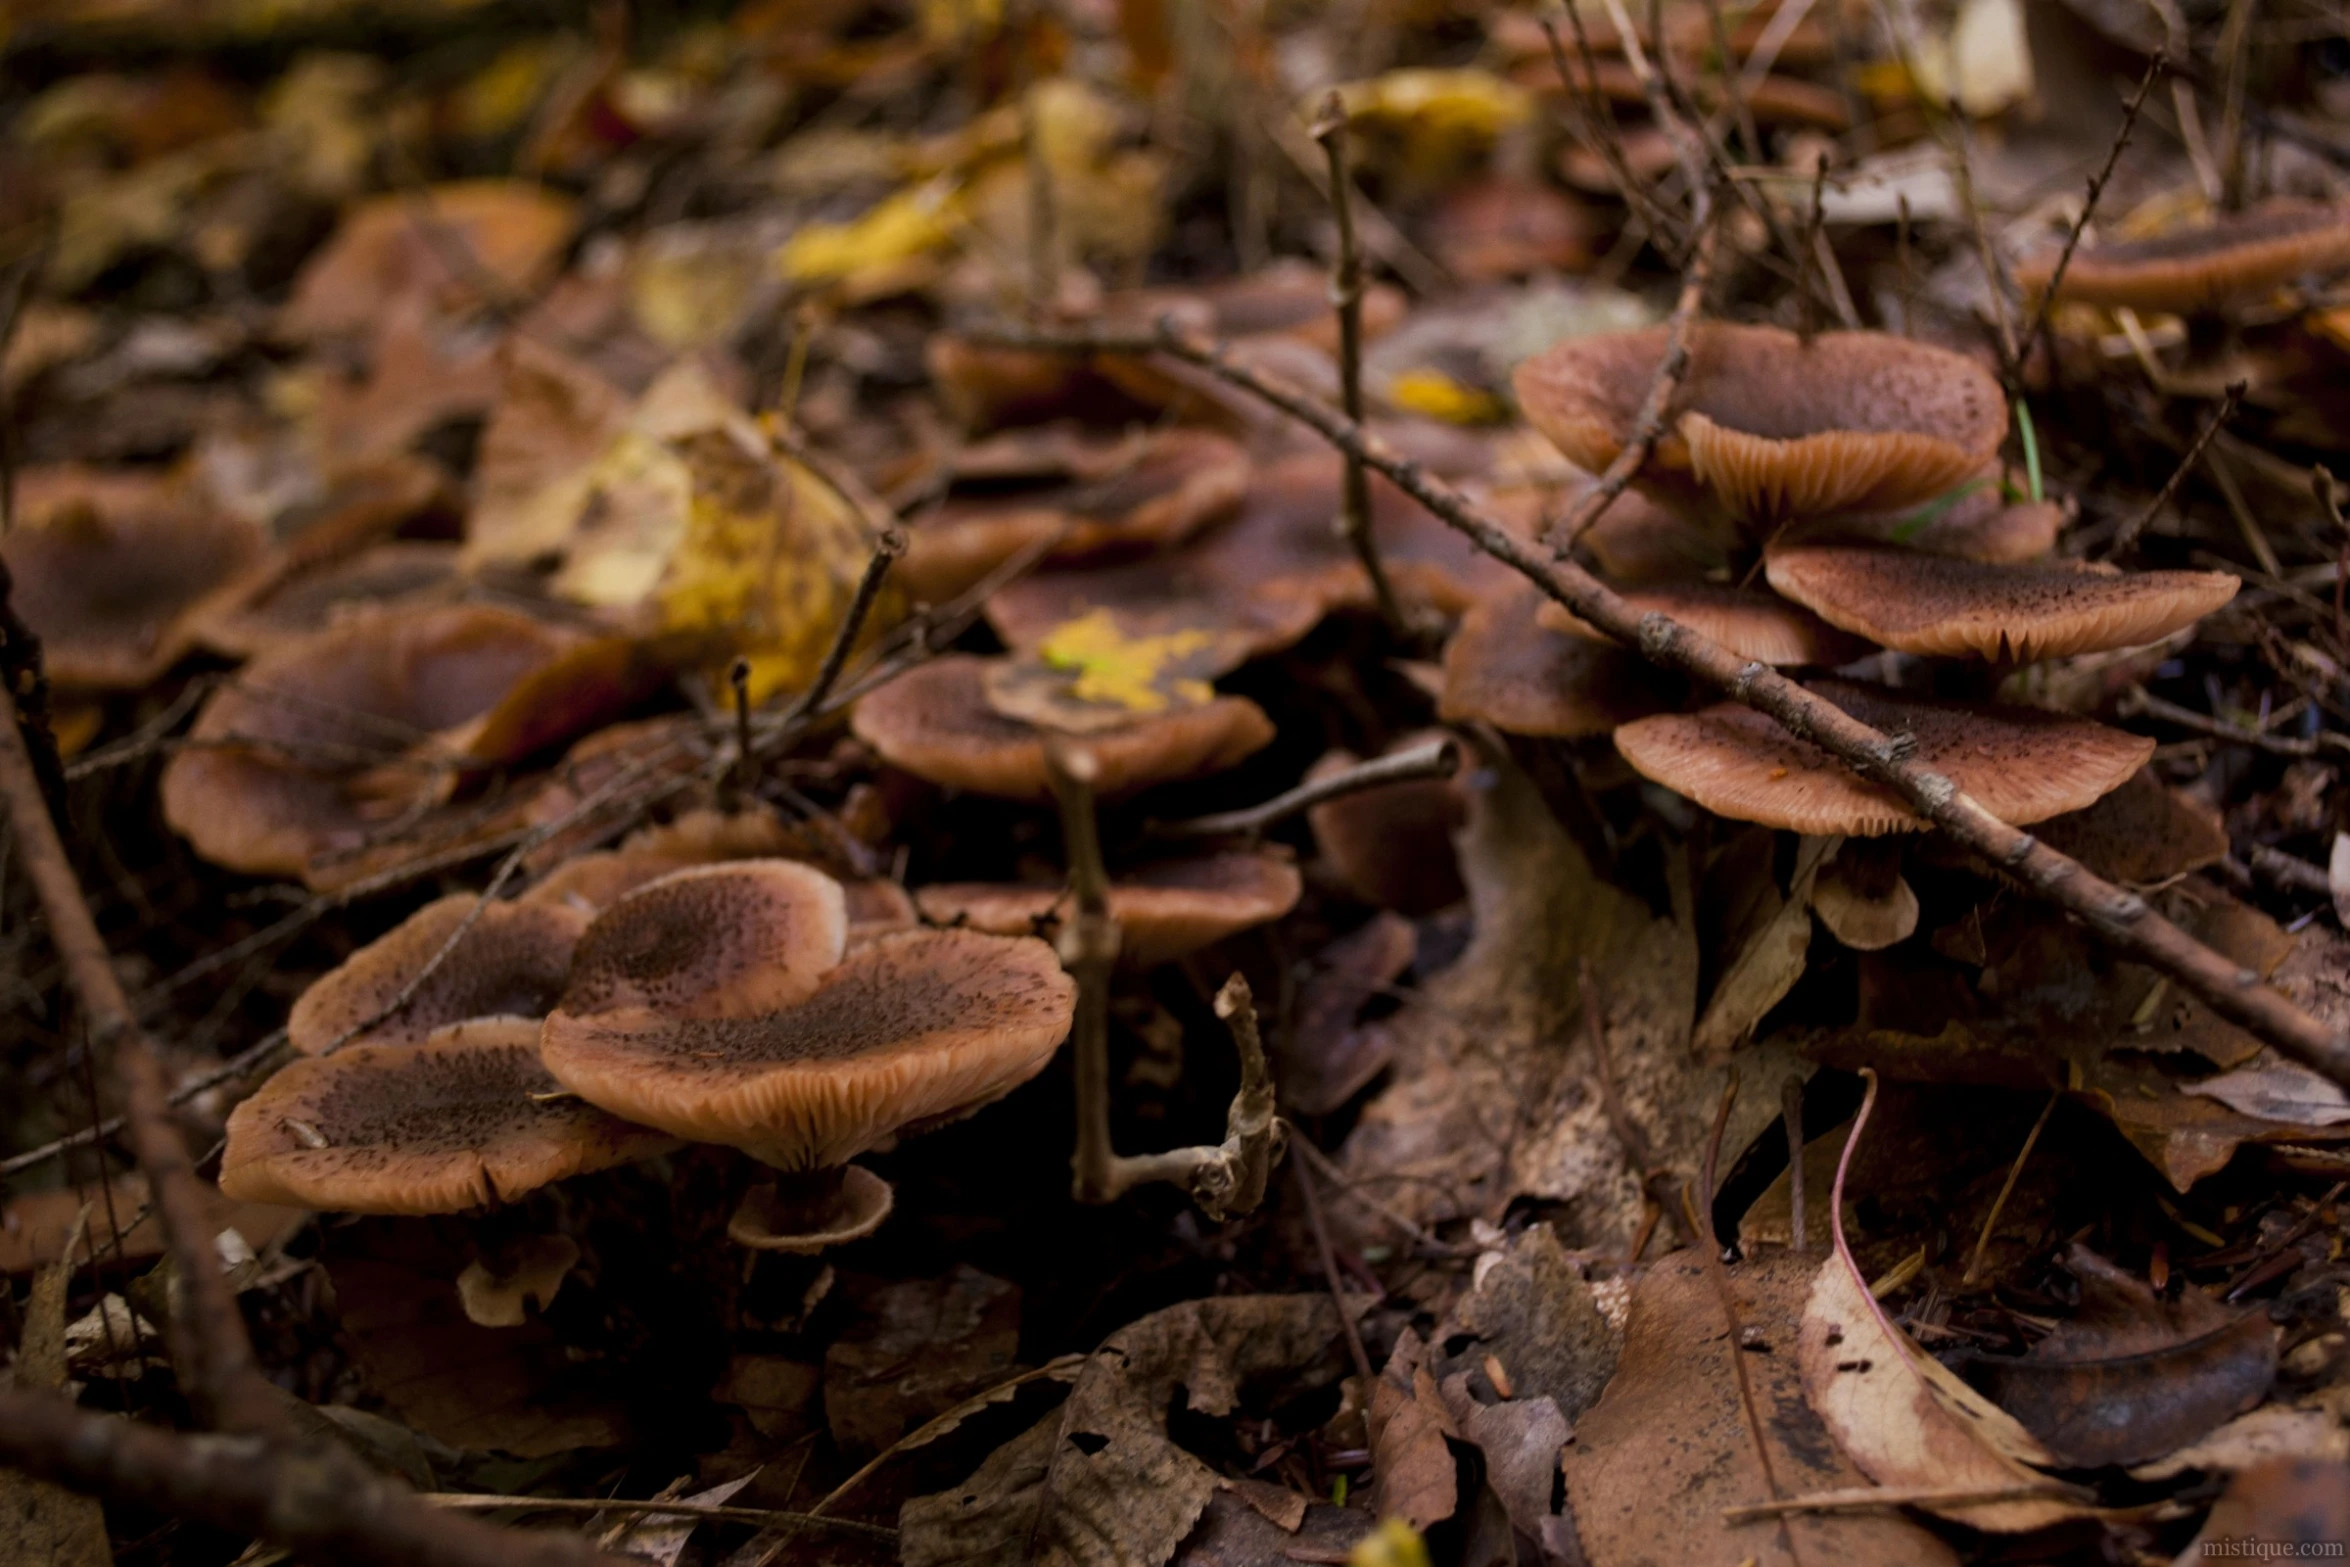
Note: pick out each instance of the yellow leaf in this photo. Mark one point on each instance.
(911, 224)
(1439, 396)
(1124, 671)
(1393, 1544)
(1441, 103)
(960, 23)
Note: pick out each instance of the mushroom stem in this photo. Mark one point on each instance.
(1439, 758)
(2124, 919)
(1346, 292)
(1225, 1180)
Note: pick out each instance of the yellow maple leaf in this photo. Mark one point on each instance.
(1122, 671)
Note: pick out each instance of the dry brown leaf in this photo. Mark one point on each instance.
(1667, 1448)
(1100, 1483)
(1770, 963)
(1417, 1478)
(916, 1349)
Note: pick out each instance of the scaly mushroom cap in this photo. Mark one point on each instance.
(1163, 911)
(1754, 625)
(511, 962)
(909, 1028)
(1504, 669)
(297, 750)
(1946, 608)
(1128, 495)
(1770, 426)
(440, 1127)
(2140, 834)
(387, 249)
(111, 570)
(2021, 764)
(934, 721)
(713, 941)
(2231, 259)
(1268, 576)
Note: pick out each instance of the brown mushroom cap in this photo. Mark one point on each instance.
(289, 778)
(456, 1122)
(2140, 834)
(1268, 576)
(934, 721)
(1127, 495)
(1392, 846)
(2234, 257)
(406, 572)
(1942, 607)
(1503, 668)
(111, 571)
(2021, 764)
(712, 941)
(1164, 911)
(511, 962)
(1772, 427)
(824, 1209)
(909, 1028)
(1979, 523)
(1752, 624)
(1862, 897)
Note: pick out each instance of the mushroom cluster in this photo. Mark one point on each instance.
(482, 1050)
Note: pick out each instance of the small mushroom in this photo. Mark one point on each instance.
(112, 571)
(2234, 258)
(525, 1275)
(1164, 911)
(511, 961)
(698, 1005)
(935, 722)
(1772, 427)
(1505, 669)
(1752, 624)
(1392, 846)
(1862, 897)
(466, 1119)
(2022, 764)
(2018, 613)
(2140, 834)
(1115, 495)
(804, 1212)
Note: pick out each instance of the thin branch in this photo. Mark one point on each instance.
(2072, 240)
(2137, 701)
(886, 550)
(2288, 871)
(2122, 917)
(1346, 292)
(2125, 541)
(244, 1064)
(468, 1501)
(1439, 758)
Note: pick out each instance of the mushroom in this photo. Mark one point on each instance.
(1977, 522)
(935, 722)
(510, 961)
(300, 764)
(1125, 495)
(2016, 613)
(2021, 764)
(1392, 846)
(1164, 911)
(1754, 625)
(1862, 897)
(1505, 669)
(112, 570)
(2234, 258)
(2140, 834)
(466, 1119)
(1771, 427)
(406, 572)
(722, 1005)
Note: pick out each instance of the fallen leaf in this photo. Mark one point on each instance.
(1088, 675)
(917, 1349)
(2284, 1508)
(661, 1537)
(2278, 1090)
(1521, 1439)
(1329, 1055)
(2338, 877)
(1770, 963)
(1532, 1312)
(445, 246)
(1232, 1533)
(46, 1524)
(2131, 1376)
(1668, 1447)
(1099, 1483)
(2270, 1432)
(1416, 1477)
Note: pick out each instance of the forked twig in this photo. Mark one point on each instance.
(1439, 758)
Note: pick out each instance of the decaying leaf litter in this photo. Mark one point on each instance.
(1174, 783)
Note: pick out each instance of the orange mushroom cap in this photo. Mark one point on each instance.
(1943, 607)
(511, 961)
(1503, 668)
(2021, 764)
(713, 941)
(2235, 257)
(1754, 625)
(463, 1120)
(1164, 911)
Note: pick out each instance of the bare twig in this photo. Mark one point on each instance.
(1439, 758)
(1346, 292)
(2138, 700)
(2072, 239)
(2125, 541)
(244, 1064)
(469, 1501)
(2290, 872)
(2122, 917)
(1225, 1180)
(886, 550)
